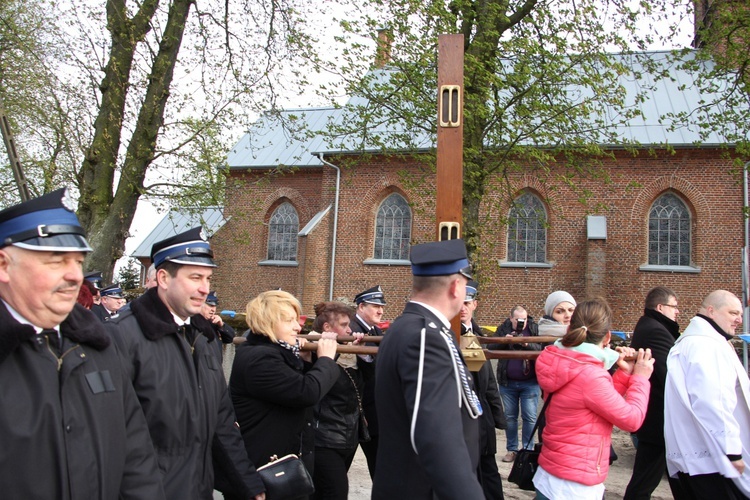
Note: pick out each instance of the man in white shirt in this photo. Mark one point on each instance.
(707, 404)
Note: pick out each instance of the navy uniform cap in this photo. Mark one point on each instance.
(440, 258)
(95, 277)
(212, 299)
(372, 295)
(44, 224)
(188, 248)
(114, 291)
(471, 291)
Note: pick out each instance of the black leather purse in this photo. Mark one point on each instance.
(286, 477)
(527, 461)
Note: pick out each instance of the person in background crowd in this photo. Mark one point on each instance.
(337, 415)
(70, 422)
(517, 381)
(274, 386)
(558, 309)
(224, 332)
(85, 298)
(150, 277)
(657, 330)
(430, 447)
(166, 350)
(706, 410)
(370, 305)
(95, 281)
(493, 416)
(586, 402)
(111, 302)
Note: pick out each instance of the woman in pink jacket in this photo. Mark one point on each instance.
(586, 402)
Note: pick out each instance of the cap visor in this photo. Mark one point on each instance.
(191, 260)
(56, 243)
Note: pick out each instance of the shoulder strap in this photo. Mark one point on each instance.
(539, 417)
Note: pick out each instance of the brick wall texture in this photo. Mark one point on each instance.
(622, 189)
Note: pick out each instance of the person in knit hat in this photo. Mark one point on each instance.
(558, 309)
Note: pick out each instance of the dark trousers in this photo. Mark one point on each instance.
(648, 469)
(329, 478)
(490, 479)
(709, 487)
(370, 449)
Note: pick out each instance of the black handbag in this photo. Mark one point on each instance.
(527, 461)
(362, 430)
(286, 477)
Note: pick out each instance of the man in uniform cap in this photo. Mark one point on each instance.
(493, 416)
(111, 302)
(95, 280)
(70, 421)
(429, 449)
(224, 332)
(370, 305)
(169, 355)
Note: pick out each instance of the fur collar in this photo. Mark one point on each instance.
(80, 326)
(156, 321)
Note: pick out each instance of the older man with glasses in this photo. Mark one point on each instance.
(657, 330)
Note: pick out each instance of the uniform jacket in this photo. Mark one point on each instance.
(586, 402)
(706, 405)
(100, 312)
(493, 416)
(430, 446)
(367, 370)
(506, 328)
(658, 333)
(181, 386)
(274, 393)
(337, 414)
(76, 433)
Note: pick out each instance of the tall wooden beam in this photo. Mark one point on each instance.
(450, 141)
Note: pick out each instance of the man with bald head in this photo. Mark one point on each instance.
(707, 404)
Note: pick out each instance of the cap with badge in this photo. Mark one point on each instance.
(212, 299)
(440, 258)
(372, 295)
(189, 248)
(95, 278)
(471, 291)
(112, 291)
(44, 224)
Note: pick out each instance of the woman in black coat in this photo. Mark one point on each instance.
(274, 388)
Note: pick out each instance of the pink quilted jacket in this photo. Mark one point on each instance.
(587, 402)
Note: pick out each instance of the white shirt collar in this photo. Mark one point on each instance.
(369, 326)
(434, 311)
(17, 316)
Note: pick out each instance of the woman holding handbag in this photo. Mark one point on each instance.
(587, 402)
(274, 386)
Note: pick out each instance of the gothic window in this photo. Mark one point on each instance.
(527, 233)
(282, 233)
(393, 229)
(669, 232)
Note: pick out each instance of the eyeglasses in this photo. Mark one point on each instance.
(670, 305)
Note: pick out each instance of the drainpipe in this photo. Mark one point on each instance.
(335, 221)
(745, 264)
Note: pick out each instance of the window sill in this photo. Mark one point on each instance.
(539, 265)
(386, 262)
(670, 269)
(279, 263)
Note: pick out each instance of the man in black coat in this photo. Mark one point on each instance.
(657, 330)
(493, 416)
(370, 305)
(110, 304)
(168, 354)
(430, 447)
(70, 421)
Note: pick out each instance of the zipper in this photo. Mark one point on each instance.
(599, 460)
(59, 358)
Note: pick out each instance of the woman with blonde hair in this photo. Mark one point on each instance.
(586, 402)
(274, 386)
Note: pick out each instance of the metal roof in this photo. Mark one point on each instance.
(177, 221)
(271, 142)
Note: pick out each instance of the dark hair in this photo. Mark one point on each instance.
(170, 267)
(591, 321)
(658, 295)
(326, 312)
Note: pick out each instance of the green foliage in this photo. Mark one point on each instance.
(129, 276)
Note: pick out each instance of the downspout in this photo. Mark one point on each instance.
(745, 264)
(335, 222)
